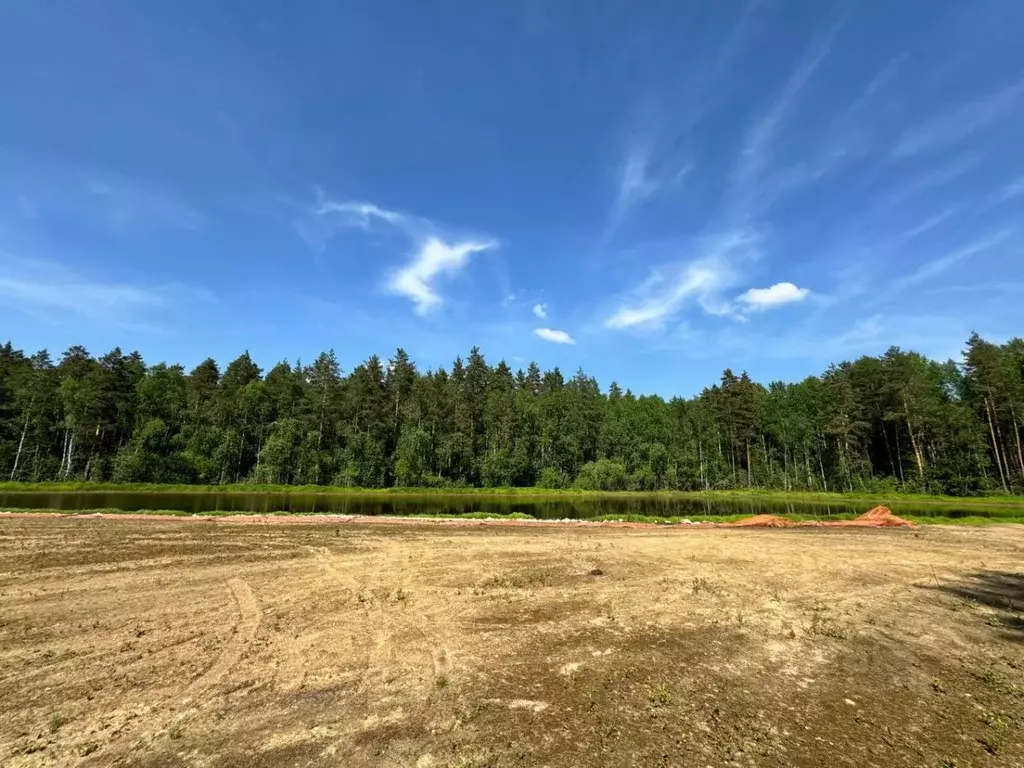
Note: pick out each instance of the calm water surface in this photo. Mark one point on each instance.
(354, 504)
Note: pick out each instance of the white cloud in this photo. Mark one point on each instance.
(958, 123)
(702, 280)
(554, 336)
(540, 310)
(757, 299)
(434, 255)
(433, 259)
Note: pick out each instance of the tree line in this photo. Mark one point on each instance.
(898, 421)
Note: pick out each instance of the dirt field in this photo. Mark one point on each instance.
(172, 643)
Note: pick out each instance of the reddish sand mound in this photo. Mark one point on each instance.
(763, 521)
(882, 517)
(879, 517)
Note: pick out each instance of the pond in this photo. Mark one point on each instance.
(565, 507)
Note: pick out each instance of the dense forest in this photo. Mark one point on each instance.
(899, 421)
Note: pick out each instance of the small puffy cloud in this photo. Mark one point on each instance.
(540, 310)
(433, 259)
(769, 298)
(554, 336)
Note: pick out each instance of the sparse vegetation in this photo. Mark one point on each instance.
(719, 638)
(660, 695)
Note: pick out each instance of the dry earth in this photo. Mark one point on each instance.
(172, 643)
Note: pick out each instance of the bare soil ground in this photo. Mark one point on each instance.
(168, 642)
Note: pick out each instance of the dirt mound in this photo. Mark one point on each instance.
(879, 517)
(762, 521)
(877, 512)
(882, 517)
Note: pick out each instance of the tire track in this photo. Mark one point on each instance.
(249, 620)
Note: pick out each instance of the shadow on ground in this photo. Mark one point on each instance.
(1003, 592)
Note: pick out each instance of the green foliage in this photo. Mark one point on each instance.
(877, 426)
(660, 696)
(56, 722)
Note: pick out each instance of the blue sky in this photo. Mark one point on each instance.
(650, 190)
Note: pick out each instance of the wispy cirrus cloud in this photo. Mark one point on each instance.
(435, 255)
(635, 183)
(642, 173)
(937, 266)
(958, 124)
(554, 336)
(930, 180)
(755, 155)
(44, 193)
(54, 291)
(126, 206)
(927, 225)
(358, 214)
(701, 280)
(1014, 189)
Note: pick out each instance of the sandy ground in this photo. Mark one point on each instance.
(170, 643)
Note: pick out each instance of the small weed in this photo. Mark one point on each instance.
(441, 682)
(400, 595)
(88, 749)
(503, 582)
(660, 696)
(479, 761)
(174, 732)
(950, 764)
(994, 621)
(824, 625)
(988, 675)
(993, 721)
(701, 584)
(937, 685)
(56, 722)
(1001, 682)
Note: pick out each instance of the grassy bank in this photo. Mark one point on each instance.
(625, 518)
(544, 494)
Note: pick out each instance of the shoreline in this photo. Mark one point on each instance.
(880, 517)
